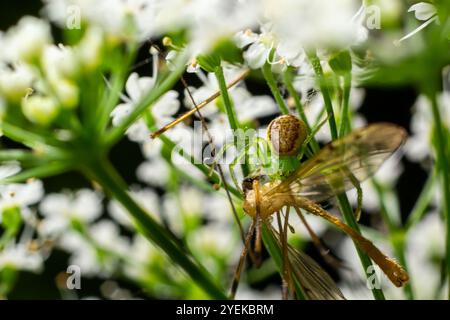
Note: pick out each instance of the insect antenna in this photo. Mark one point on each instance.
(198, 106)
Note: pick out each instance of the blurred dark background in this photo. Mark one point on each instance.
(380, 104)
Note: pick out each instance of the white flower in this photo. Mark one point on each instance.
(215, 20)
(386, 177)
(26, 40)
(9, 169)
(136, 88)
(418, 146)
(425, 247)
(106, 234)
(217, 208)
(423, 11)
(146, 198)
(210, 86)
(312, 24)
(261, 45)
(59, 62)
(89, 50)
(20, 196)
(212, 241)
(60, 209)
(140, 255)
(155, 172)
(250, 107)
(354, 273)
(15, 82)
(188, 203)
(19, 257)
(125, 19)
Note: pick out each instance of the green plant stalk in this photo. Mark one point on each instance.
(423, 201)
(104, 173)
(315, 62)
(30, 139)
(346, 120)
(287, 77)
(46, 170)
(443, 167)
(112, 94)
(344, 204)
(351, 221)
(268, 76)
(275, 252)
(397, 237)
(229, 108)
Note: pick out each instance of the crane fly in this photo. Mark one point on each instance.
(332, 171)
(336, 168)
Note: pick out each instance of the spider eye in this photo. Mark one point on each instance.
(286, 134)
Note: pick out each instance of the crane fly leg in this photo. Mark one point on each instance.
(258, 238)
(286, 280)
(240, 265)
(391, 268)
(323, 250)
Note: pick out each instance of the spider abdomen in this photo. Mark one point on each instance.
(286, 134)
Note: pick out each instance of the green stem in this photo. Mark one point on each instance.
(423, 201)
(229, 108)
(397, 237)
(346, 115)
(315, 62)
(365, 260)
(275, 252)
(112, 93)
(105, 174)
(298, 105)
(344, 204)
(268, 75)
(287, 78)
(443, 167)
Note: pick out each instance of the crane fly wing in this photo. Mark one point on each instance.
(340, 164)
(316, 284)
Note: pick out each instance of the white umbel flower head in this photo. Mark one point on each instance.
(59, 209)
(26, 40)
(20, 195)
(15, 82)
(312, 24)
(19, 257)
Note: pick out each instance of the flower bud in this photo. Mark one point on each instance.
(68, 94)
(59, 61)
(15, 83)
(40, 110)
(90, 49)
